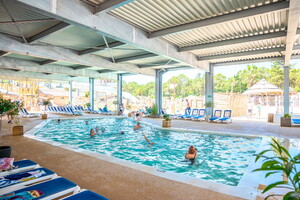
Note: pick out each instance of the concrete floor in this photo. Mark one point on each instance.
(118, 182)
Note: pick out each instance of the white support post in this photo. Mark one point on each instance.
(286, 90)
(209, 88)
(70, 93)
(92, 90)
(119, 90)
(158, 90)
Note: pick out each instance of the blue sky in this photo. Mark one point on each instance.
(228, 71)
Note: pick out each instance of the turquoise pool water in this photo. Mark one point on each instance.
(221, 158)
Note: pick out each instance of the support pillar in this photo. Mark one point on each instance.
(209, 88)
(92, 92)
(119, 90)
(286, 90)
(158, 90)
(70, 93)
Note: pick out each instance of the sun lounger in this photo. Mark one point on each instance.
(193, 114)
(186, 113)
(201, 115)
(53, 189)
(21, 165)
(16, 185)
(85, 194)
(296, 121)
(27, 113)
(217, 115)
(226, 117)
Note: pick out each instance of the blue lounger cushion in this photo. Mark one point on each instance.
(89, 195)
(50, 187)
(296, 121)
(224, 119)
(213, 118)
(24, 163)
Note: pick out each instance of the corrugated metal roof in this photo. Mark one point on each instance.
(268, 23)
(20, 14)
(94, 2)
(243, 58)
(261, 44)
(121, 52)
(152, 15)
(76, 38)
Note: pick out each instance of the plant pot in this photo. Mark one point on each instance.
(129, 114)
(286, 121)
(18, 130)
(166, 123)
(44, 116)
(5, 151)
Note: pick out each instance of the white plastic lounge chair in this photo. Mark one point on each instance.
(217, 115)
(226, 117)
(193, 114)
(21, 165)
(19, 183)
(201, 115)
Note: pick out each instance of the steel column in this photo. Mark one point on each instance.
(70, 93)
(286, 90)
(158, 90)
(119, 90)
(92, 92)
(209, 87)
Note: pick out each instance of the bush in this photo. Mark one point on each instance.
(209, 104)
(154, 110)
(88, 105)
(287, 115)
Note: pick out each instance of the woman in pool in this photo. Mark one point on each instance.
(137, 126)
(97, 130)
(150, 143)
(92, 132)
(191, 154)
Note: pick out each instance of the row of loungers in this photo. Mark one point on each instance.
(24, 113)
(100, 111)
(200, 114)
(51, 185)
(65, 110)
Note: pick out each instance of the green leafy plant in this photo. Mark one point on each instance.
(45, 103)
(287, 115)
(167, 117)
(209, 104)
(154, 111)
(5, 107)
(87, 105)
(281, 162)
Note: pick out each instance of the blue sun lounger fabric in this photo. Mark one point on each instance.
(217, 115)
(89, 195)
(226, 116)
(296, 121)
(193, 114)
(186, 113)
(52, 189)
(201, 114)
(20, 165)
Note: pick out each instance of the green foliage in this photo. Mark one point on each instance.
(167, 117)
(281, 162)
(209, 104)
(287, 115)
(46, 103)
(5, 105)
(87, 105)
(154, 110)
(87, 94)
(140, 90)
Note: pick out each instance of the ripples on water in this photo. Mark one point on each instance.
(221, 158)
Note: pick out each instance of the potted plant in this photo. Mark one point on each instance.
(167, 121)
(18, 128)
(45, 103)
(14, 113)
(209, 109)
(286, 120)
(277, 159)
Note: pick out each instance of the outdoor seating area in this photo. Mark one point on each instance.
(29, 176)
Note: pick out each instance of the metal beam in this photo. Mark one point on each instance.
(209, 88)
(172, 62)
(286, 90)
(25, 65)
(71, 92)
(111, 4)
(120, 90)
(246, 53)
(293, 23)
(236, 41)
(4, 53)
(105, 71)
(27, 21)
(79, 67)
(222, 18)
(77, 13)
(65, 55)
(178, 68)
(59, 27)
(48, 62)
(101, 48)
(132, 58)
(92, 92)
(158, 90)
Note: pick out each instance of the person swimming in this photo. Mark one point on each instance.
(102, 130)
(137, 126)
(86, 122)
(58, 121)
(92, 132)
(97, 130)
(191, 155)
(150, 143)
(122, 133)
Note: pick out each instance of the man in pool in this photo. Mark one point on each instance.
(97, 130)
(58, 121)
(137, 126)
(86, 122)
